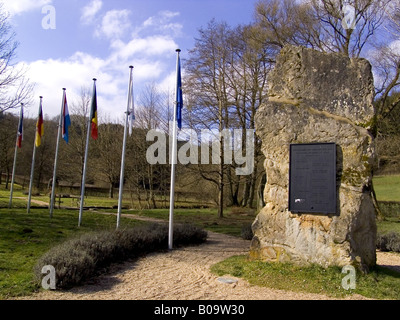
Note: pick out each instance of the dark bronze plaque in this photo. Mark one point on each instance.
(312, 178)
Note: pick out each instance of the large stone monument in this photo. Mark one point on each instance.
(318, 98)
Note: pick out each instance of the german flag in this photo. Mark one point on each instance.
(39, 126)
(93, 114)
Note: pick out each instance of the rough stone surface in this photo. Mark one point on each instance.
(317, 98)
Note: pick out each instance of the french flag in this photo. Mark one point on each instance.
(66, 120)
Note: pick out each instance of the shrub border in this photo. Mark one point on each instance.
(79, 260)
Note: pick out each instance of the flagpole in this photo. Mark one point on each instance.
(173, 166)
(121, 181)
(33, 164)
(85, 165)
(15, 160)
(53, 187)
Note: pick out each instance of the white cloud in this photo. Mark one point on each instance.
(151, 52)
(114, 24)
(52, 75)
(161, 23)
(168, 84)
(161, 18)
(89, 12)
(112, 73)
(15, 7)
(395, 47)
(149, 46)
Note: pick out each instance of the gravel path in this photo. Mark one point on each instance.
(184, 274)
(38, 202)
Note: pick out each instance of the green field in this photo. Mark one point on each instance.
(232, 223)
(381, 283)
(25, 237)
(387, 188)
(20, 200)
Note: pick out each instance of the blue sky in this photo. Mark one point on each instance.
(101, 38)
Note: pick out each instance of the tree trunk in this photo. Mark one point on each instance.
(221, 166)
(251, 192)
(111, 191)
(152, 201)
(39, 178)
(221, 198)
(139, 196)
(7, 178)
(233, 188)
(253, 184)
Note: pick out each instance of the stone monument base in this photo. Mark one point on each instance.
(318, 98)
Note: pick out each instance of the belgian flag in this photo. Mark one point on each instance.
(93, 114)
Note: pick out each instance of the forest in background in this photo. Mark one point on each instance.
(225, 81)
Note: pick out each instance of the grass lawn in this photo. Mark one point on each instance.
(391, 221)
(387, 188)
(25, 237)
(20, 200)
(382, 283)
(232, 223)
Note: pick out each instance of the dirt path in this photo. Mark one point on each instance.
(180, 274)
(38, 202)
(184, 274)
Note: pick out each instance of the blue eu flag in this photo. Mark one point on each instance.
(179, 97)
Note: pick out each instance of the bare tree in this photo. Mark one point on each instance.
(247, 81)
(72, 155)
(385, 59)
(109, 152)
(14, 87)
(368, 17)
(151, 113)
(206, 85)
(285, 22)
(393, 13)
(319, 24)
(386, 62)
(8, 123)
